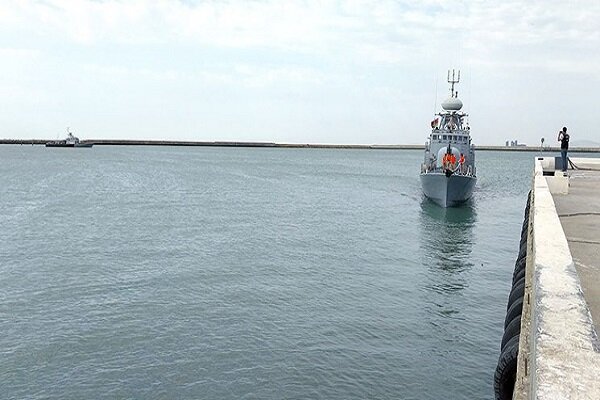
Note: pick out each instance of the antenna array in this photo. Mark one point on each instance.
(455, 79)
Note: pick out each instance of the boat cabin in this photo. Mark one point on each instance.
(450, 134)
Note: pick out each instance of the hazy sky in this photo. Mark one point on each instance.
(297, 71)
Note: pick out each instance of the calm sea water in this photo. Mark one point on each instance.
(232, 273)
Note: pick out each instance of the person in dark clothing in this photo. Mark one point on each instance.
(563, 138)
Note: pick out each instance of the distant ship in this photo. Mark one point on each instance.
(448, 173)
(70, 141)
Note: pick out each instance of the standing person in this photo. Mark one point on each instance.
(453, 161)
(461, 163)
(563, 138)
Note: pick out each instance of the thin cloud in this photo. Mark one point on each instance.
(342, 62)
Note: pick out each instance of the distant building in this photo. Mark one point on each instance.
(515, 143)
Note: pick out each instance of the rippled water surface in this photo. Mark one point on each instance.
(230, 273)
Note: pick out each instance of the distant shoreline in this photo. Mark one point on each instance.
(112, 142)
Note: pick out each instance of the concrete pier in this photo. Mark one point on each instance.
(559, 352)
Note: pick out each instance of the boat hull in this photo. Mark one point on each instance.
(448, 191)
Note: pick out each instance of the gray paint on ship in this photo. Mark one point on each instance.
(450, 133)
(448, 191)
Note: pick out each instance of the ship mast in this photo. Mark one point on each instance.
(455, 79)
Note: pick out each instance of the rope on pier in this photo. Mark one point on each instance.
(578, 214)
(574, 166)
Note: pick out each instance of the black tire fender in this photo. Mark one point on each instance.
(517, 292)
(515, 310)
(518, 275)
(522, 252)
(523, 241)
(519, 265)
(506, 370)
(512, 329)
(524, 229)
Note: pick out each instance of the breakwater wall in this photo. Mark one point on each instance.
(112, 142)
(117, 142)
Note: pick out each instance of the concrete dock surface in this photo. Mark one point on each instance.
(579, 214)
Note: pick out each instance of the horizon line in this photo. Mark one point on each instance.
(191, 143)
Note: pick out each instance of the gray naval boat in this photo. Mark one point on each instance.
(70, 141)
(448, 173)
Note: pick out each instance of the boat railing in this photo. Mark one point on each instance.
(456, 170)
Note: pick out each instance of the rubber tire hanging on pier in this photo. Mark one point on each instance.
(517, 292)
(515, 310)
(512, 329)
(519, 266)
(506, 371)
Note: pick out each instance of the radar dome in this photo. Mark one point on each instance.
(452, 104)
